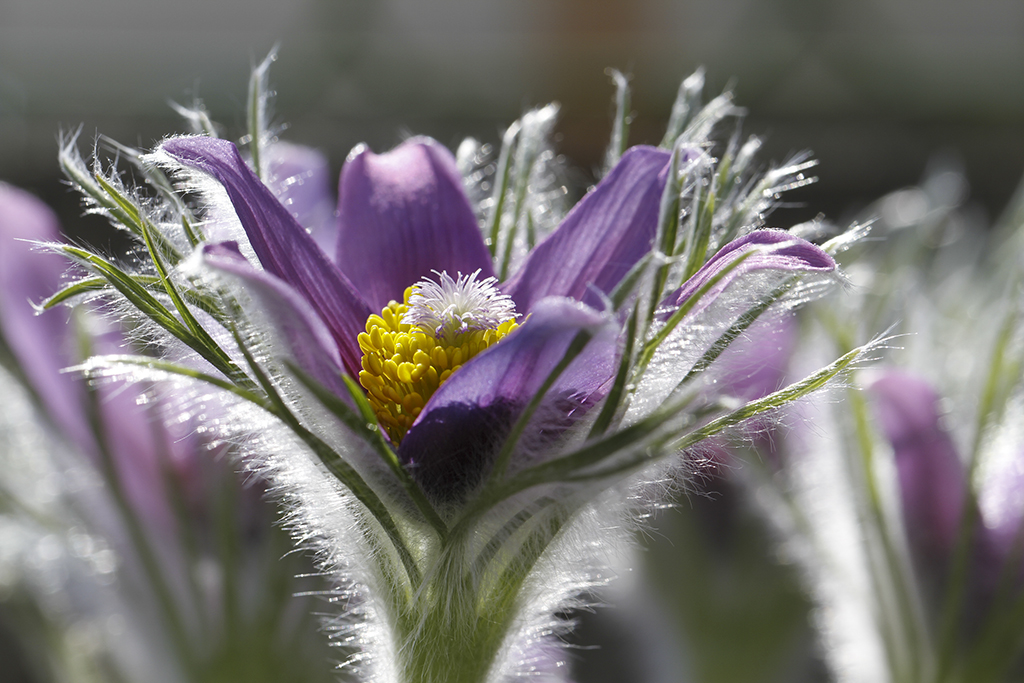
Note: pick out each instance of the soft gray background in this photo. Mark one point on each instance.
(873, 87)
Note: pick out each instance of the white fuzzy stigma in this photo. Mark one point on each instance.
(450, 307)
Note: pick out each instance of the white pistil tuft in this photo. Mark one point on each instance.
(450, 307)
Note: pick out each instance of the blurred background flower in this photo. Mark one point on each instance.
(132, 547)
(901, 504)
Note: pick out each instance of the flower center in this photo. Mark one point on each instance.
(411, 348)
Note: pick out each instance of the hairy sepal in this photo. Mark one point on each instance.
(218, 219)
(689, 352)
(319, 511)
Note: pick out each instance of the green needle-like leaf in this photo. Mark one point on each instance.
(137, 294)
(501, 182)
(92, 284)
(620, 124)
(677, 316)
(138, 221)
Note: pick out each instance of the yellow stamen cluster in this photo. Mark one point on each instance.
(403, 365)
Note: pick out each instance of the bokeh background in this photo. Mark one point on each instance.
(877, 89)
(873, 87)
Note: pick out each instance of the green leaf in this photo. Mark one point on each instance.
(748, 318)
(92, 284)
(257, 111)
(687, 103)
(677, 316)
(620, 124)
(202, 337)
(138, 221)
(137, 294)
(612, 401)
(698, 238)
(131, 289)
(185, 371)
(530, 141)
(501, 182)
(162, 184)
(574, 466)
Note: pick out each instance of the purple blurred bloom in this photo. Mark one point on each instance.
(139, 439)
(162, 506)
(301, 178)
(757, 363)
(404, 214)
(934, 487)
(753, 366)
(41, 345)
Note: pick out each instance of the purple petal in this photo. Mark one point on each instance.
(300, 178)
(931, 476)
(284, 248)
(42, 344)
(773, 250)
(755, 364)
(138, 443)
(452, 442)
(607, 232)
(403, 214)
(303, 334)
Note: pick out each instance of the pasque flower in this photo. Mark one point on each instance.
(474, 419)
(403, 216)
(943, 512)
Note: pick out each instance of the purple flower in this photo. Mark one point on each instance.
(44, 344)
(936, 495)
(165, 503)
(41, 344)
(404, 220)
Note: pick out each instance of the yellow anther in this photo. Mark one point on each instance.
(411, 402)
(403, 365)
(376, 366)
(405, 372)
